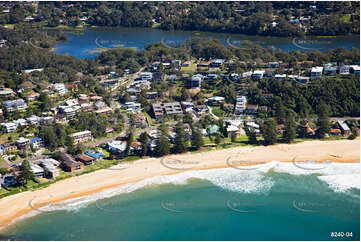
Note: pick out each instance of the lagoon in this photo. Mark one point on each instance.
(87, 43)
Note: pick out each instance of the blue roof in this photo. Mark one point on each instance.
(10, 103)
(35, 139)
(94, 154)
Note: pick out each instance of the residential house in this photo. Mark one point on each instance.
(3, 42)
(109, 130)
(330, 69)
(10, 147)
(154, 66)
(213, 129)
(60, 88)
(258, 74)
(50, 167)
(47, 120)
(251, 109)
(355, 69)
(87, 160)
(9, 127)
(140, 120)
(83, 98)
(176, 63)
(32, 70)
(94, 154)
(187, 63)
(6, 92)
(215, 100)
(32, 96)
(151, 95)
(247, 74)
(33, 120)
(316, 72)
(37, 170)
(23, 143)
(252, 125)
(132, 107)
(15, 105)
(116, 148)
(196, 81)
(136, 148)
(110, 84)
(9, 180)
(21, 122)
(344, 69)
(81, 136)
(274, 64)
(280, 77)
(37, 142)
(280, 128)
(344, 127)
(204, 64)
(303, 79)
(335, 132)
(240, 106)
(217, 63)
(69, 164)
(228, 107)
(148, 76)
(201, 109)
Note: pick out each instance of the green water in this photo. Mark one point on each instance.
(242, 206)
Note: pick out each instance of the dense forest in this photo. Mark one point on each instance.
(261, 18)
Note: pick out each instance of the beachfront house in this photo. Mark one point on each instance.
(50, 167)
(87, 160)
(344, 127)
(69, 164)
(37, 170)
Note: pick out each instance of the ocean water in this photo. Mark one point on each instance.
(276, 201)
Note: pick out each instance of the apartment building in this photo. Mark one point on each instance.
(80, 137)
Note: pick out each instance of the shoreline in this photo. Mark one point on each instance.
(15, 207)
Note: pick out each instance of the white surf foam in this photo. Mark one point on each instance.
(342, 183)
(340, 177)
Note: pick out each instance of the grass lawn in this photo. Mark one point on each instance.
(155, 25)
(9, 26)
(218, 111)
(3, 163)
(189, 69)
(149, 119)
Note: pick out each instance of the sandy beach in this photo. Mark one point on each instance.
(17, 205)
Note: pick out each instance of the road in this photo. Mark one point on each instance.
(211, 112)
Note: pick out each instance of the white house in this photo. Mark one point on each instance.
(316, 72)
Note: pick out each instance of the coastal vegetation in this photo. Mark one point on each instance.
(289, 111)
(254, 18)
